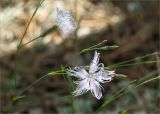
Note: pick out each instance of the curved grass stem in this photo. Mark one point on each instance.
(20, 43)
(131, 86)
(34, 82)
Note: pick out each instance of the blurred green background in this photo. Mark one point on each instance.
(133, 25)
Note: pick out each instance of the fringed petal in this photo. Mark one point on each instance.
(78, 72)
(96, 89)
(94, 64)
(104, 76)
(83, 87)
(65, 22)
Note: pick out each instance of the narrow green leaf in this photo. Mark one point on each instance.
(146, 81)
(15, 98)
(131, 64)
(48, 31)
(115, 96)
(133, 60)
(128, 88)
(121, 75)
(109, 47)
(98, 48)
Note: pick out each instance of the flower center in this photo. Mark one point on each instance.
(90, 77)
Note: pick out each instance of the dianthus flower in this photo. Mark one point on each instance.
(65, 22)
(91, 80)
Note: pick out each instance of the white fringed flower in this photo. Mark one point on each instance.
(65, 22)
(91, 80)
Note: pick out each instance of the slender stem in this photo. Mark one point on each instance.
(39, 4)
(131, 60)
(49, 74)
(28, 87)
(158, 85)
(116, 95)
(54, 27)
(123, 65)
(30, 41)
(128, 88)
(71, 86)
(19, 45)
(101, 43)
(149, 80)
(94, 47)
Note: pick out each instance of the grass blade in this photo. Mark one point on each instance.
(134, 59)
(128, 88)
(48, 31)
(131, 64)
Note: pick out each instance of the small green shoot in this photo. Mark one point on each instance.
(16, 98)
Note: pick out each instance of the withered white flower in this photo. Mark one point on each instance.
(65, 22)
(91, 80)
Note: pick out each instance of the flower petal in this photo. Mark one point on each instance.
(77, 72)
(67, 27)
(104, 76)
(83, 87)
(96, 89)
(94, 64)
(65, 22)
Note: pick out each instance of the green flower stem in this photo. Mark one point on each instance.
(54, 27)
(19, 45)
